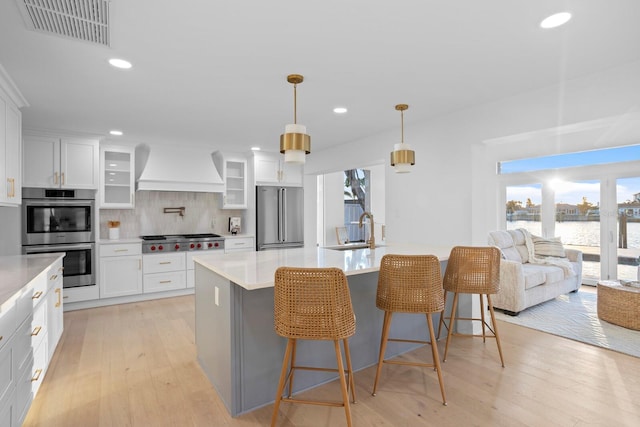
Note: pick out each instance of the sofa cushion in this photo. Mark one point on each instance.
(504, 241)
(533, 275)
(520, 244)
(548, 247)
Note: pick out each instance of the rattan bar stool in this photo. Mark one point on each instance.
(313, 304)
(410, 284)
(472, 270)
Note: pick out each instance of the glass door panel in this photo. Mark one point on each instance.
(523, 207)
(628, 242)
(577, 222)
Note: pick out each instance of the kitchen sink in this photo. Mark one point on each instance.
(350, 246)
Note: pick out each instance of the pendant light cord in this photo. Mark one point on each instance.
(295, 105)
(402, 126)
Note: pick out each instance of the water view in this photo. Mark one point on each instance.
(586, 236)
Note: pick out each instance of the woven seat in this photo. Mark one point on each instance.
(472, 270)
(410, 284)
(313, 304)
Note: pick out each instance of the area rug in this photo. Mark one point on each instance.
(575, 316)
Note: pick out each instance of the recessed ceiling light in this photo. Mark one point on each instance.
(340, 110)
(120, 63)
(255, 148)
(555, 20)
(116, 132)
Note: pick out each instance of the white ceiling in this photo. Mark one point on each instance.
(214, 72)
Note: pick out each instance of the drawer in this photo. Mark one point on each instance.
(122, 249)
(159, 282)
(80, 293)
(6, 371)
(163, 263)
(8, 321)
(238, 244)
(55, 275)
(22, 349)
(32, 295)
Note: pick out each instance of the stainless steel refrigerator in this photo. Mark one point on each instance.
(279, 217)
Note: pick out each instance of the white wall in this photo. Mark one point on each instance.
(450, 197)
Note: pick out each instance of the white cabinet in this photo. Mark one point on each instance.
(117, 177)
(164, 272)
(271, 169)
(233, 170)
(52, 162)
(29, 333)
(120, 269)
(55, 309)
(10, 153)
(239, 244)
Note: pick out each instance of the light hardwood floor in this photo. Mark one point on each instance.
(135, 365)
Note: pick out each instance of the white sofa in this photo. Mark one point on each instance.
(524, 284)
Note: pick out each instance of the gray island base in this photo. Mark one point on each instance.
(241, 354)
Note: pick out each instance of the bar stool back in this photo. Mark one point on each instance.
(472, 270)
(410, 284)
(313, 304)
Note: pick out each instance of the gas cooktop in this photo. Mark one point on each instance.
(181, 242)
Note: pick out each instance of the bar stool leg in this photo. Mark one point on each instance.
(452, 322)
(343, 382)
(281, 382)
(441, 322)
(347, 355)
(383, 347)
(436, 358)
(292, 364)
(484, 323)
(495, 327)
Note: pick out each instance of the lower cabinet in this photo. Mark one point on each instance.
(120, 270)
(239, 244)
(37, 323)
(55, 310)
(164, 272)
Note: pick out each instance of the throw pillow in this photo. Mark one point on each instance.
(548, 247)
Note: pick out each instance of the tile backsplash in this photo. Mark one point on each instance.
(201, 215)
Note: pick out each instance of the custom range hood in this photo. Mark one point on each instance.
(161, 168)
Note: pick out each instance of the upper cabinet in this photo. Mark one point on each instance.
(10, 152)
(52, 162)
(271, 169)
(233, 169)
(117, 181)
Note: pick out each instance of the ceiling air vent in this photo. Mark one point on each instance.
(86, 20)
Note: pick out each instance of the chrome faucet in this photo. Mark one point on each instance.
(372, 240)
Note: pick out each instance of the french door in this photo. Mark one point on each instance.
(595, 209)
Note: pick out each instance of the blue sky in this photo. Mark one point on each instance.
(573, 192)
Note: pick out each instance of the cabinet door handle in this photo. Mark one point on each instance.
(37, 295)
(37, 376)
(121, 250)
(165, 281)
(62, 178)
(54, 277)
(165, 262)
(12, 185)
(36, 331)
(59, 292)
(55, 177)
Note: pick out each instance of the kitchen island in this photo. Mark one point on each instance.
(237, 346)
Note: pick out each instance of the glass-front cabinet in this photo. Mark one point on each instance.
(117, 181)
(233, 169)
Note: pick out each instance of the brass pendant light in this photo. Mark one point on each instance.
(402, 156)
(295, 143)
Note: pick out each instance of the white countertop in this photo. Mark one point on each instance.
(119, 241)
(255, 270)
(18, 270)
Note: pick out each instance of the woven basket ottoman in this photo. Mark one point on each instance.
(619, 304)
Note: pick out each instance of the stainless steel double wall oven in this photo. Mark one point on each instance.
(61, 220)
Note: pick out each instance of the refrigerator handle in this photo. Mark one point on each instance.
(284, 215)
